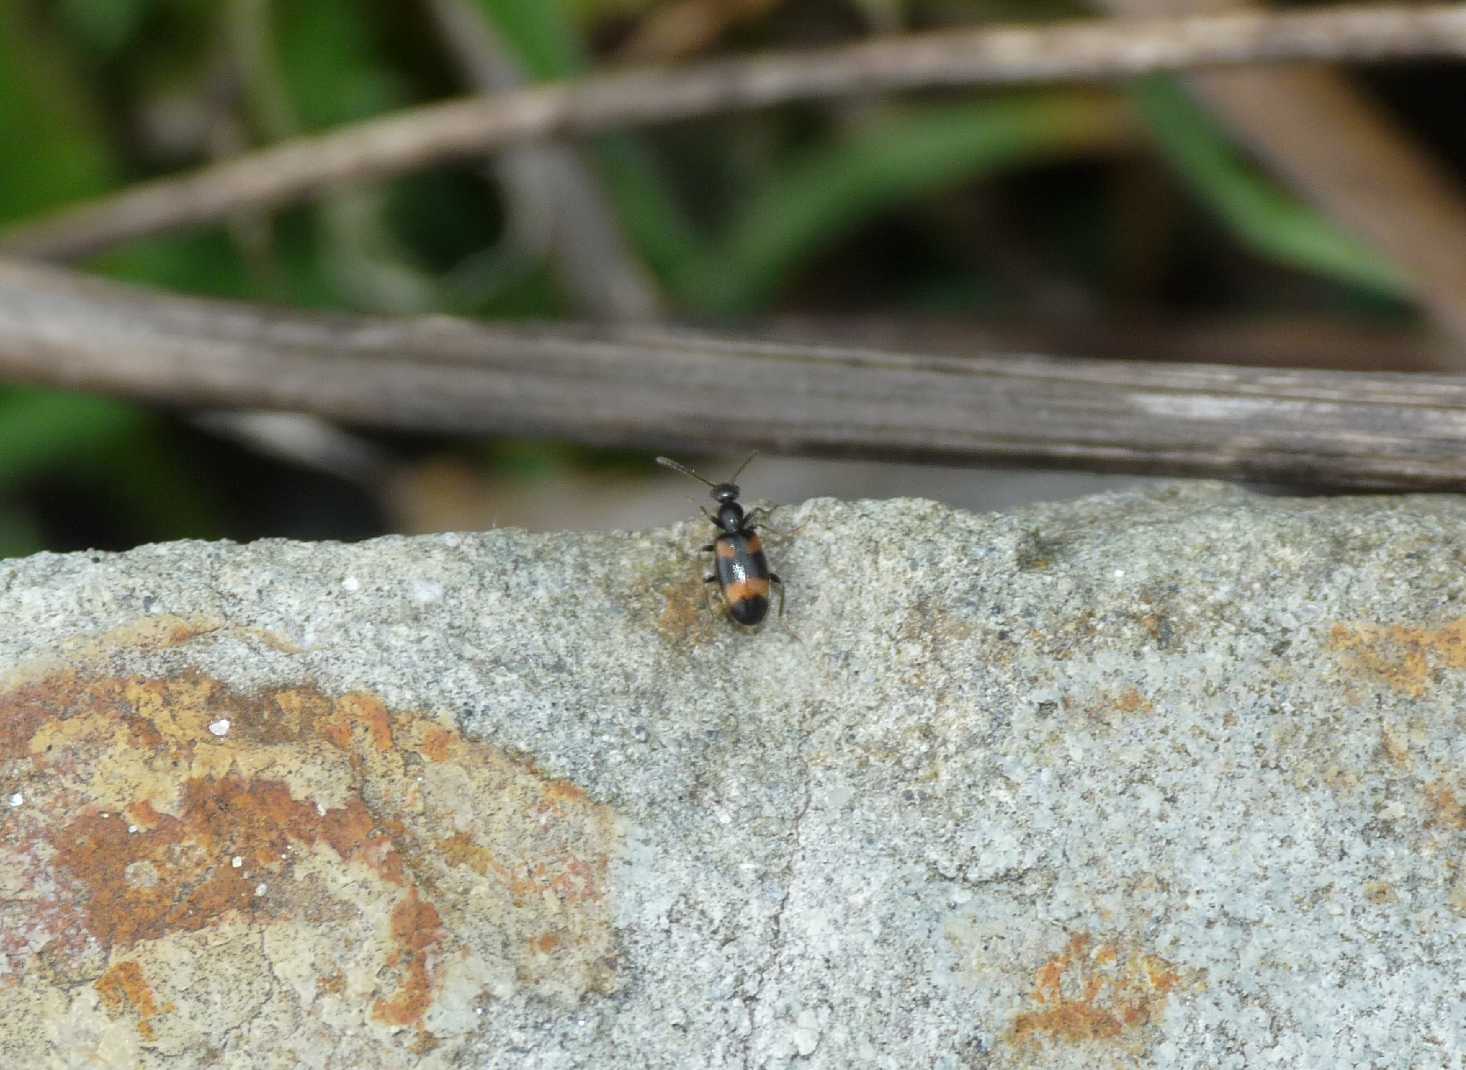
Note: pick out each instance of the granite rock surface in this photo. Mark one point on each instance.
(1166, 779)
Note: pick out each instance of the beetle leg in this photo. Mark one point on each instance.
(774, 578)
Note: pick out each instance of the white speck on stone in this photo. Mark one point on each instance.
(220, 727)
(260, 889)
(320, 810)
(131, 828)
(236, 861)
(426, 591)
(17, 799)
(351, 584)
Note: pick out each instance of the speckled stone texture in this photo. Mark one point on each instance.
(1171, 779)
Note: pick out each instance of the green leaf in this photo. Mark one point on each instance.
(104, 27)
(332, 64)
(648, 208)
(40, 429)
(896, 158)
(53, 140)
(1271, 221)
(541, 34)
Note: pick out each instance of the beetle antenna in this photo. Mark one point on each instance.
(667, 462)
(734, 477)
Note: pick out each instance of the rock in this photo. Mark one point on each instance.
(1172, 779)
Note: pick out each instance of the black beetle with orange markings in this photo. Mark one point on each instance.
(738, 553)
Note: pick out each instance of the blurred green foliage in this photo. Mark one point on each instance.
(1273, 222)
(734, 217)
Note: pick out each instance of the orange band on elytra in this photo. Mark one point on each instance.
(746, 589)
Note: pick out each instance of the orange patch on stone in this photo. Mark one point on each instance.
(417, 931)
(1445, 809)
(142, 814)
(437, 744)
(1133, 701)
(460, 850)
(1404, 658)
(562, 793)
(31, 706)
(573, 881)
(193, 883)
(123, 988)
(1094, 993)
(146, 811)
(1111, 707)
(686, 615)
(370, 714)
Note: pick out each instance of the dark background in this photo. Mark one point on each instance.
(1111, 219)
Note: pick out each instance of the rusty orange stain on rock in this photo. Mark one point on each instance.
(688, 616)
(437, 745)
(1132, 701)
(1445, 809)
(573, 881)
(360, 712)
(417, 930)
(161, 807)
(142, 814)
(1404, 658)
(460, 850)
(191, 855)
(32, 705)
(123, 986)
(1109, 707)
(1095, 992)
(562, 793)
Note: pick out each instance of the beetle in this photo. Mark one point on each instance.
(741, 569)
